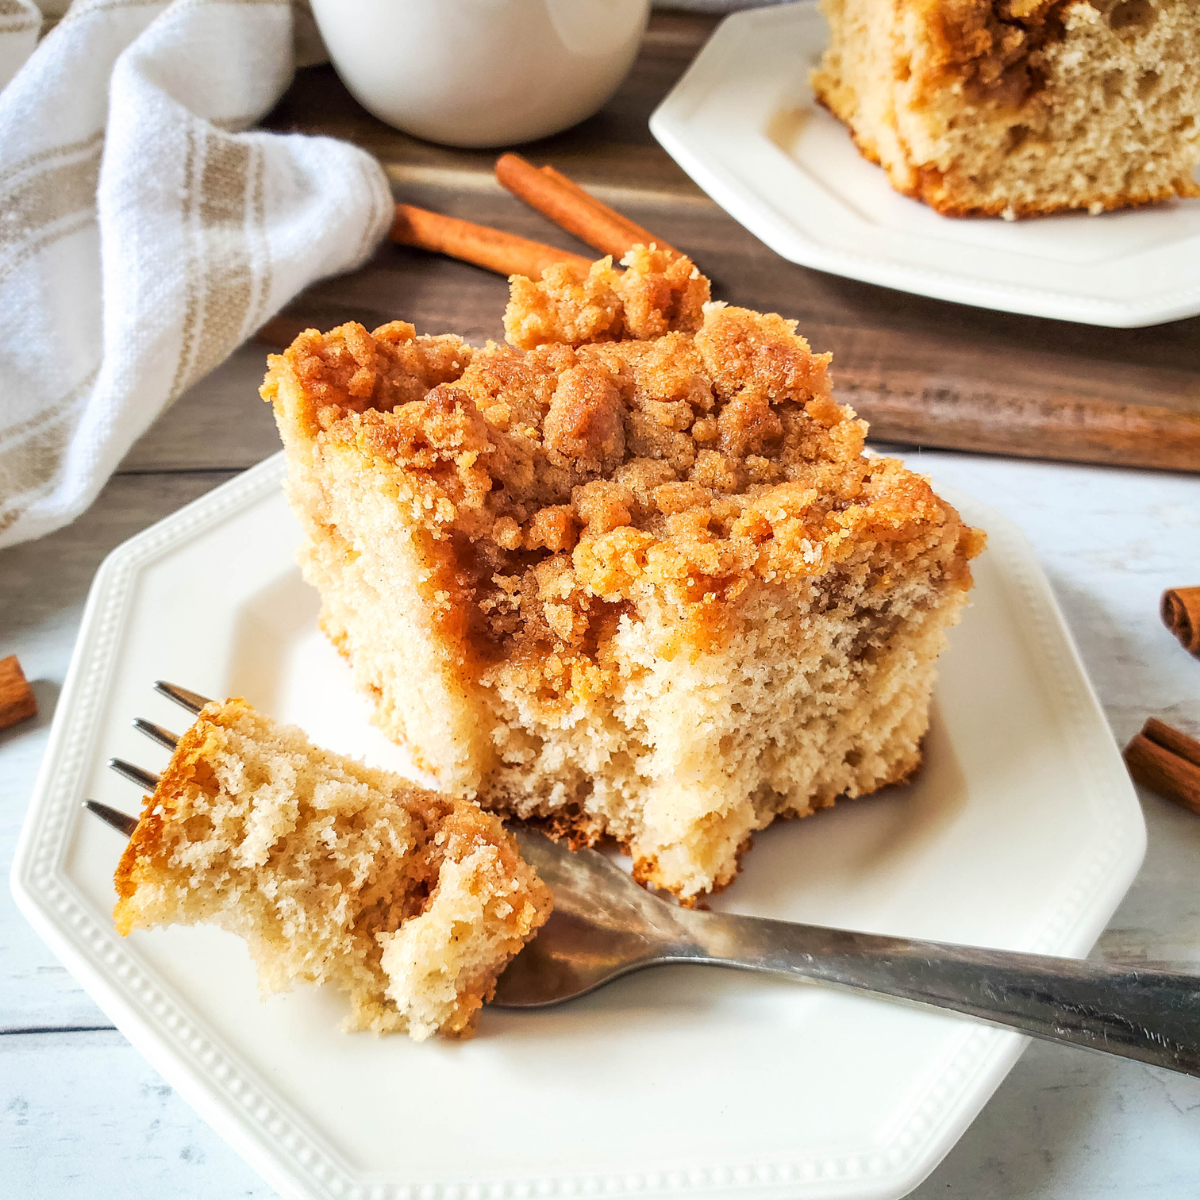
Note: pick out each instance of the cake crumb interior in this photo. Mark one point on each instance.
(407, 900)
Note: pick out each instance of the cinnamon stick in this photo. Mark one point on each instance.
(1166, 761)
(504, 253)
(17, 701)
(575, 210)
(1181, 615)
(634, 232)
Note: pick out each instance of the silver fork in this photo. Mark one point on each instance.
(147, 781)
(604, 926)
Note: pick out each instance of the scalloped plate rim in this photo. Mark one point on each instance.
(283, 1146)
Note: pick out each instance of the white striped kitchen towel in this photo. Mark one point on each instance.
(143, 236)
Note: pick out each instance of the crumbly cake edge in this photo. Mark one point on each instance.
(580, 833)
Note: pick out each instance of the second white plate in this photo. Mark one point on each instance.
(745, 126)
(1022, 832)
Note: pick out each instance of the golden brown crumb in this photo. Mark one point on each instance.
(660, 293)
(593, 451)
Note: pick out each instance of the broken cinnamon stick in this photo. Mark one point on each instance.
(504, 253)
(17, 701)
(571, 207)
(1181, 615)
(1166, 761)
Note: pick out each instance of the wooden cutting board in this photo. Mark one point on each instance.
(922, 372)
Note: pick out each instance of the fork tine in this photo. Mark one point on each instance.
(142, 778)
(113, 816)
(192, 701)
(164, 737)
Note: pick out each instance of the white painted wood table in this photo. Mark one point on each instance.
(82, 1116)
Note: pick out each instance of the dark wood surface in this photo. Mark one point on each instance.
(923, 372)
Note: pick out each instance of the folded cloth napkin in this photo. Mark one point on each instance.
(142, 236)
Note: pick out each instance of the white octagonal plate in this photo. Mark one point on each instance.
(1022, 832)
(744, 124)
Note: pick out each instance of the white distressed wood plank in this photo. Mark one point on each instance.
(1072, 1125)
(83, 1117)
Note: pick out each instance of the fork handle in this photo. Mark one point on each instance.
(1152, 1015)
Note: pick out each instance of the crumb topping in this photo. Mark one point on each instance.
(635, 438)
(658, 294)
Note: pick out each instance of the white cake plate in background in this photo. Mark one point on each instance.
(744, 124)
(1022, 832)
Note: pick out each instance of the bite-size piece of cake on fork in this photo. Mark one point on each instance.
(632, 574)
(410, 902)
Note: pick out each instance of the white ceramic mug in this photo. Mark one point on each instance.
(482, 72)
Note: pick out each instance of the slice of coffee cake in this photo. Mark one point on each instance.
(1020, 107)
(409, 901)
(632, 574)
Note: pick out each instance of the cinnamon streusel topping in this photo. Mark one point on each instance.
(636, 437)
